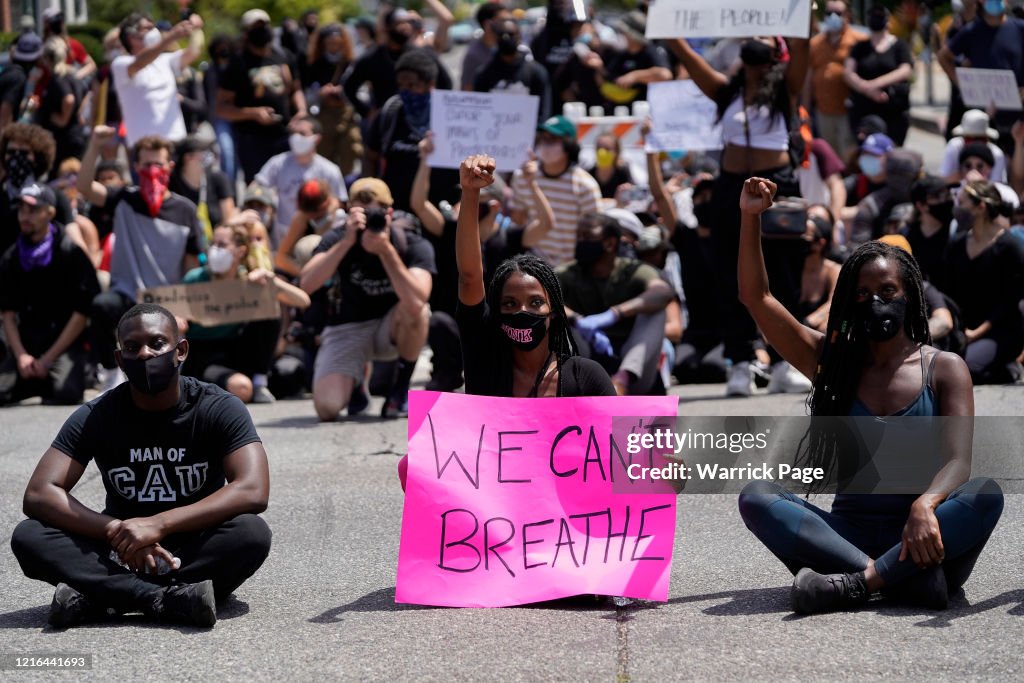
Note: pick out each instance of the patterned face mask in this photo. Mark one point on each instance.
(153, 181)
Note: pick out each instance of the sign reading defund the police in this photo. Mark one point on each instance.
(728, 18)
(510, 501)
(499, 125)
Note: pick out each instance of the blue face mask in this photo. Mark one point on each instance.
(417, 110)
(833, 22)
(870, 165)
(994, 7)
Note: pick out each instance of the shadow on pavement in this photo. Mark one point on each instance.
(742, 602)
(381, 600)
(304, 421)
(944, 619)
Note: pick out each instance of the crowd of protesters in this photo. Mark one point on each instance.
(296, 157)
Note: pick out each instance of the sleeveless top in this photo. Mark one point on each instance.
(766, 131)
(893, 508)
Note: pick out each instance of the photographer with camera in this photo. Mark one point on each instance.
(380, 273)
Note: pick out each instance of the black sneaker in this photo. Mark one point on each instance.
(69, 607)
(925, 589)
(189, 603)
(813, 592)
(359, 401)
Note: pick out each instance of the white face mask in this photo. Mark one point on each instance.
(152, 37)
(302, 144)
(219, 259)
(550, 153)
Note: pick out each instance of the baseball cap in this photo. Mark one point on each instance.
(37, 194)
(375, 187)
(51, 13)
(258, 193)
(28, 48)
(254, 16)
(627, 220)
(560, 126)
(650, 239)
(877, 144)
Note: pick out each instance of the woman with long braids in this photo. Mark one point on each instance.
(875, 359)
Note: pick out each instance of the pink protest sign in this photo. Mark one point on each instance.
(509, 501)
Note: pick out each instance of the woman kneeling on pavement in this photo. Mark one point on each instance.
(875, 359)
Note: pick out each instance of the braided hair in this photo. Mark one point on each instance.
(560, 340)
(845, 351)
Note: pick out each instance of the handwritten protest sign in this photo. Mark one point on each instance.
(683, 118)
(215, 303)
(509, 501)
(728, 18)
(982, 88)
(497, 124)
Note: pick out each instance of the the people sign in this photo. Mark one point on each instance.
(728, 18)
(510, 501)
(500, 125)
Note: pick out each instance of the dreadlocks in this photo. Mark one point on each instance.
(559, 336)
(845, 350)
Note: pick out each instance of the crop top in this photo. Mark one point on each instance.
(766, 131)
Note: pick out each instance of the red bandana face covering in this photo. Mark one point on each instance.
(153, 181)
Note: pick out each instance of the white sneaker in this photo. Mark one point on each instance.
(109, 378)
(787, 380)
(741, 381)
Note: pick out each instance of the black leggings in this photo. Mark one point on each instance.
(784, 259)
(250, 352)
(227, 554)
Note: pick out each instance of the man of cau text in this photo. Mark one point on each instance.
(186, 477)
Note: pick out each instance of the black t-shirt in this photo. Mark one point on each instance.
(871, 64)
(52, 102)
(361, 289)
(621, 174)
(12, 87)
(259, 81)
(9, 229)
(579, 80)
(622, 63)
(445, 292)
(45, 298)
(929, 251)
(377, 67)
(397, 143)
(522, 77)
(991, 47)
(151, 462)
(988, 287)
(486, 375)
(218, 187)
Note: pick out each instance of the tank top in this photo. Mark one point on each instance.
(893, 508)
(766, 131)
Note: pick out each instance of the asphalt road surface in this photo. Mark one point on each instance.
(323, 604)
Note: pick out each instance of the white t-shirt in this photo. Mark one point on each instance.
(283, 174)
(951, 160)
(149, 101)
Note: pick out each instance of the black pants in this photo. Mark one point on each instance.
(250, 351)
(443, 337)
(227, 554)
(64, 385)
(783, 260)
(107, 309)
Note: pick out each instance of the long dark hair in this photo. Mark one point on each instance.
(560, 340)
(772, 91)
(845, 351)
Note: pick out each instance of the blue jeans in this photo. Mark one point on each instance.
(227, 149)
(803, 535)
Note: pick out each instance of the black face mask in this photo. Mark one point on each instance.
(881, 320)
(942, 212)
(260, 36)
(756, 53)
(397, 37)
(524, 329)
(507, 45)
(588, 252)
(152, 375)
(877, 22)
(18, 166)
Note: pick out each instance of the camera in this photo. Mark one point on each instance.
(376, 220)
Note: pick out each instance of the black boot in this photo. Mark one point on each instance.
(813, 592)
(187, 603)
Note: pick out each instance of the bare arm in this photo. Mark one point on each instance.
(95, 193)
(445, 19)
(86, 70)
(194, 50)
(72, 330)
(674, 322)
(707, 79)
(948, 63)
(290, 295)
(149, 54)
(322, 266)
(1017, 161)
(283, 259)
(666, 207)
(62, 118)
(903, 72)
(654, 298)
(796, 343)
(246, 492)
(48, 497)
(429, 215)
(544, 218)
(475, 173)
(796, 71)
